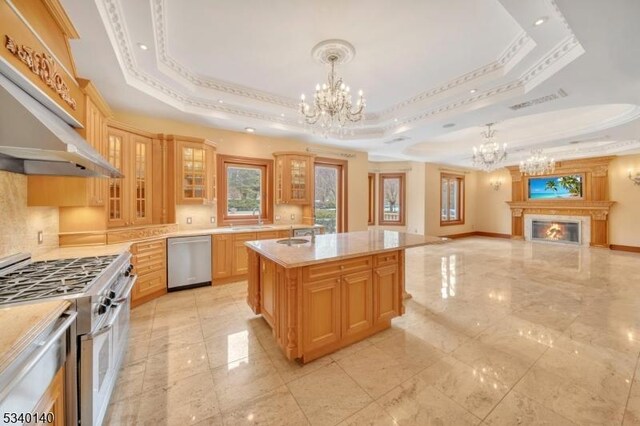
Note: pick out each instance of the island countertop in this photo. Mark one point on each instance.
(331, 247)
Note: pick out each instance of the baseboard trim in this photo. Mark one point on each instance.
(632, 249)
(479, 234)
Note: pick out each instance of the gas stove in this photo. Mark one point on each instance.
(44, 279)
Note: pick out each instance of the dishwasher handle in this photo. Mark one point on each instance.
(174, 243)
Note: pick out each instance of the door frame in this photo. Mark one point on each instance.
(342, 166)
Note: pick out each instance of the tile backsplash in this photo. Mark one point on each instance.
(19, 224)
(201, 216)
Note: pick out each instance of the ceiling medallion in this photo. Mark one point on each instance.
(537, 164)
(332, 110)
(489, 155)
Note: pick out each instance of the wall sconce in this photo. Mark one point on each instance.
(634, 178)
(495, 184)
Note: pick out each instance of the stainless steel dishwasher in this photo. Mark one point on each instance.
(189, 262)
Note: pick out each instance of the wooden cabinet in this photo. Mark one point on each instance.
(61, 191)
(269, 280)
(357, 303)
(240, 261)
(149, 262)
(129, 198)
(386, 290)
(221, 252)
(53, 400)
(294, 178)
(321, 313)
(195, 170)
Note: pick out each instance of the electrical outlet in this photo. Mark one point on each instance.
(293, 216)
(277, 217)
(189, 221)
(40, 237)
(213, 219)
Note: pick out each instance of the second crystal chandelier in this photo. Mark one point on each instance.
(332, 108)
(489, 155)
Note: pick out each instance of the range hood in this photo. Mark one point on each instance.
(35, 141)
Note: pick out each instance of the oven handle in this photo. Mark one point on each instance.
(35, 358)
(124, 294)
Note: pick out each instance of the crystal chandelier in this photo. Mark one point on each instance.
(489, 155)
(537, 164)
(332, 109)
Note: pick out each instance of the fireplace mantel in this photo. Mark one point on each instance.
(595, 203)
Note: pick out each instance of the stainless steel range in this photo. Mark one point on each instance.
(99, 289)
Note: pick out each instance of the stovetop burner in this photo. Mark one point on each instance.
(39, 280)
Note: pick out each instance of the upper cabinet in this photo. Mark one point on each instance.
(129, 198)
(294, 178)
(195, 170)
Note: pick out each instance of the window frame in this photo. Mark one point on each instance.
(403, 190)
(460, 199)
(342, 166)
(371, 182)
(266, 202)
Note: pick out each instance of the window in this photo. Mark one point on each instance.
(451, 199)
(330, 200)
(391, 209)
(372, 199)
(246, 190)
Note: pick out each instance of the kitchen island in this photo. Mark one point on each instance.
(321, 296)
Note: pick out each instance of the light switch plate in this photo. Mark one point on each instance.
(213, 219)
(40, 237)
(293, 216)
(189, 221)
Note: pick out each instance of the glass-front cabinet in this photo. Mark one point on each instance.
(294, 178)
(195, 170)
(129, 198)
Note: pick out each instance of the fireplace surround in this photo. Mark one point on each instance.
(563, 229)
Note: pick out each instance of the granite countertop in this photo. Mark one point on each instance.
(339, 246)
(82, 251)
(21, 324)
(236, 230)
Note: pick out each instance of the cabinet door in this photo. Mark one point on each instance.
(118, 190)
(268, 279)
(192, 179)
(53, 400)
(279, 179)
(299, 179)
(141, 149)
(95, 134)
(222, 254)
(357, 302)
(321, 313)
(386, 298)
(240, 261)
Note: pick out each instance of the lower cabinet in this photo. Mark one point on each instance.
(230, 258)
(321, 313)
(357, 303)
(53, 400)
(268, 278)
(149, 262)
(386, 301)
(221, 253)
(240, 260)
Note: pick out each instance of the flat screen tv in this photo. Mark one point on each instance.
(555, 187)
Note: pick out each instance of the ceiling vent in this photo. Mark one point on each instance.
(541, 100)
(396, 140)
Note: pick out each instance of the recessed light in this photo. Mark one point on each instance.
(473, 90)
(540, 21)
(220, 101)
(249, 129)
(448, 125)
(395, 119)
(282, 114)
(143, 46)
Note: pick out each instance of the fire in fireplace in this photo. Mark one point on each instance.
(549, 230)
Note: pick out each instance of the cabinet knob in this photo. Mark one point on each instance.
(341, 266)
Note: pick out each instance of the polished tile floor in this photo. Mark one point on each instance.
(498, 332)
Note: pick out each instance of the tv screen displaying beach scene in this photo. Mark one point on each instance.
(555, 187)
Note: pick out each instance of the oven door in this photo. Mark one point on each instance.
(101, 355)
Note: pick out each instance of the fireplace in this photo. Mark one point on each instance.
(556, 231)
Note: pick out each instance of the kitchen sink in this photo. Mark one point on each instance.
(292, 241)
(251, 227)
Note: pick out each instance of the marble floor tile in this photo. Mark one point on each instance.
(516, 409)
(245, 379)
(328, 395)
(185, 401)
(371, 415)
(414, 402)
(477, 391)
(224, 349)
(129, 383)
(632, 413)
(163, 339)
(123, 412)
(167, 367)
(277, 407)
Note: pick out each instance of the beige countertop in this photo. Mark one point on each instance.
(21, 324)
(339, 246)
(83, 251)
(236, 230)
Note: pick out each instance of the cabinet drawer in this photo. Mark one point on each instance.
(383, 259)
(146, 247)
(267, 235)
(151, 282)
(153, 257)
(325, 270)
(149, 267)
(245, 236)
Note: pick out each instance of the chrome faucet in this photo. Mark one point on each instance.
(257, 210)
(313, 235)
